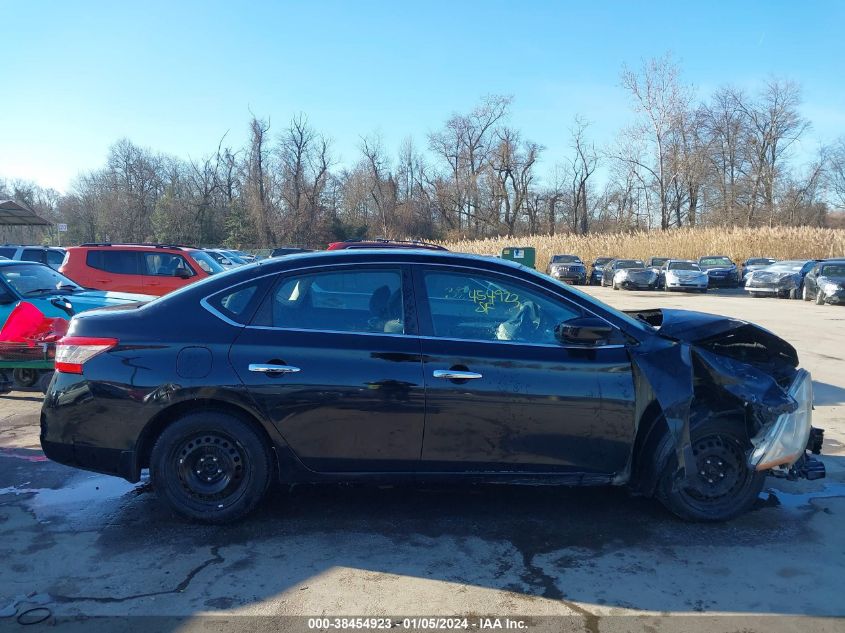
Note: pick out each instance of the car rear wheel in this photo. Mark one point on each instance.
(211, 466)
(805, 294)
(722, 485)
(793, 293)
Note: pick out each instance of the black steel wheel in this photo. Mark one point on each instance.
(719, 485)
(211, 466)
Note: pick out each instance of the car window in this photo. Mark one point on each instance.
(477, 306)
(833, 270)
(119, 262)
(340, 301)
(629, 263)
(235, 303)
(683, 266)
(55, 258)
(165, 264)
(8, 252)
(206, 262)
(32, 255)
(715, 261)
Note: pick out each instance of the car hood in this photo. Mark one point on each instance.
(717, 268)
(831, 280)
(723, 335)
(686, 273)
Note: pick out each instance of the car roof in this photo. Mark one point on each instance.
(147, 247)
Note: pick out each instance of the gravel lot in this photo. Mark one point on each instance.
(88, 545)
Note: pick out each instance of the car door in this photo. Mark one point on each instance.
(113, 270)
(810, 281)
(502, 394)
(332, 358)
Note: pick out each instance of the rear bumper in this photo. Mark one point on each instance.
(109, 461)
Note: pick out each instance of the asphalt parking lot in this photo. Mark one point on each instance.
(85, 545)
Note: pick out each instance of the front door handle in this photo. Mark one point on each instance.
(273, 369)
(454, 374)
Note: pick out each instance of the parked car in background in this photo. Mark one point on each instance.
(382, 243)
(682, 274)
(53, 256)
(630, 274)
(246, 257)
(281, 251)
(825, 283)
(225, 259)
(656, 263)
(568, 268)
(721, 270)
(597, 270)
(412, 365)
(784, 279)
(754, 263)
(51, 292)
(153, 269)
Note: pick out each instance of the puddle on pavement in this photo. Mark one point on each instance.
(83, 495)
(802, 500)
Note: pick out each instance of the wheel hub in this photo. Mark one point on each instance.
(210, 466)
(720, 467)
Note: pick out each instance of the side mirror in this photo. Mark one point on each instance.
(583, 331)
(182, 273)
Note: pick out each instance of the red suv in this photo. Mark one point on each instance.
(152, 269)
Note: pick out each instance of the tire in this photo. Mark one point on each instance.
(25, 378)
(793, 293)
(728, 487)
(194, 446)
(805, 294)
(819, 297)
(615, 286)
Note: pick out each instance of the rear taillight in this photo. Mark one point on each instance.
(72, 352)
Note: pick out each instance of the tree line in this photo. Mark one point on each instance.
(728, 159)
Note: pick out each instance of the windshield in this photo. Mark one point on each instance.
(659, 261)
(833, 270)
(629, 263)
(786, 267)
(566, 259)
(683, 266)
(206, 262)
(715, 261)
(37, 280)
(759, 260)
(234, 257)
(601, 261)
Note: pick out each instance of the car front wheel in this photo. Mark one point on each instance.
(722, 485)
(819, 297)
(211, 466)
(805, 294)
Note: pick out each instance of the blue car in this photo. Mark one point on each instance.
(51, 292)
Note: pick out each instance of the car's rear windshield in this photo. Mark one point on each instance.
(833, 270)
(565, 259)
(715, 261)
(629, 263)
(659, 261)
(206, 262)
(683, 266)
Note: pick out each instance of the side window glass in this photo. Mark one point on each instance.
(165, 264)
(55, 258)
(483, 308)
(235, 304)
(120, 262)
(360, 301)
(32, 255)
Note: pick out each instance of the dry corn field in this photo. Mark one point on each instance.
(737, 243)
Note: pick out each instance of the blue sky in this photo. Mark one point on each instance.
(175, 76)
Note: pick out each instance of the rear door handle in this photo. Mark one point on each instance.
(453, 374)
(273, 369)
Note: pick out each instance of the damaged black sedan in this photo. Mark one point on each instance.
(405, 365)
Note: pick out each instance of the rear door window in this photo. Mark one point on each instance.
(360, 301)
(55, 258)
(118, 262)
(33, 255)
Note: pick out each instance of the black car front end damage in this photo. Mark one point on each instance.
(702, 362)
